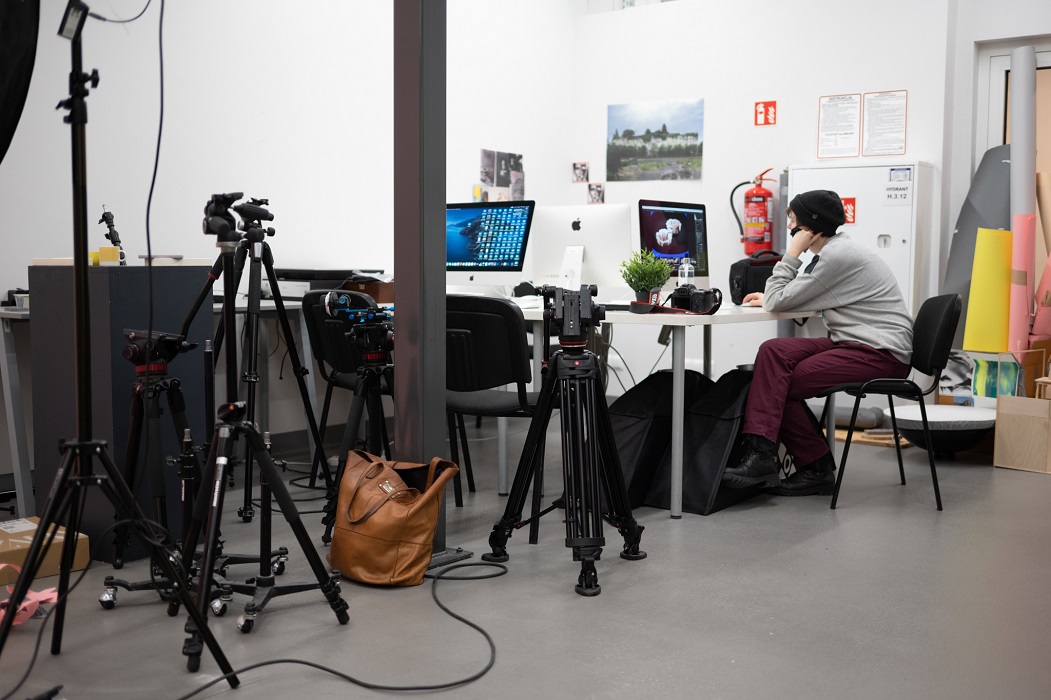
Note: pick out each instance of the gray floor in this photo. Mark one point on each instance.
(776, 597)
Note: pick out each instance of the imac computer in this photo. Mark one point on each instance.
(603, 231)
(485, 246)
(673, 230)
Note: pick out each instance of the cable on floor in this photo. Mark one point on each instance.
(437, 576)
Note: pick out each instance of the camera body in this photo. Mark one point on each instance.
(696, 301)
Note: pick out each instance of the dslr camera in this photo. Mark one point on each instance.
(696, 301)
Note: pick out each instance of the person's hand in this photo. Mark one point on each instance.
(753, 299)
(801, 242)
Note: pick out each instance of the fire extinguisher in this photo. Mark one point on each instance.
(757, 228)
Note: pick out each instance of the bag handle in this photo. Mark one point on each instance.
(431, 468)
(759, 254)
(372, 472)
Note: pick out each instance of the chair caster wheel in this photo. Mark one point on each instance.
(108, 599)
(245, 624)
(173, 608)
(218, 607)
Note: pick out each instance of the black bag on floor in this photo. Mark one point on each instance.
(641, 420)
(750, 274)
(711, 429)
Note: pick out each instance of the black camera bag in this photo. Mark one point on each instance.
(750, 274)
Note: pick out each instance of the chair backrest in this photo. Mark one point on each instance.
(329, 344)
(486, 344)
(933, 332)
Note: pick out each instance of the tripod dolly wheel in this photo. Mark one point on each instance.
(173, 608)
(218, 607)
(108, 599)
(193, 664)
(245, 624)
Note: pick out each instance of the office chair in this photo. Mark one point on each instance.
(337, 359)
(486, 351)
(932, 336)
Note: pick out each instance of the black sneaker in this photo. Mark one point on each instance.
(817, 478)
(758, 467)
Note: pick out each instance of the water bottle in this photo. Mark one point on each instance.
(685, 272)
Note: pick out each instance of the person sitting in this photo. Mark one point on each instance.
(870, 336)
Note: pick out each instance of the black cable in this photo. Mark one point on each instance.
(397, 688)
(99, 17)
(72, 587)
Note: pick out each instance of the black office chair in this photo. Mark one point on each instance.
(932, 336)
(486, 351)
(337, 359)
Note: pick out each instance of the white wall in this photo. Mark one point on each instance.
(292, 101)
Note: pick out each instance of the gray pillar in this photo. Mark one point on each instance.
(419, 232)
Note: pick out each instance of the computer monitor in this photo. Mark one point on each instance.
(673, 230)
(604, 231)
(485, 242)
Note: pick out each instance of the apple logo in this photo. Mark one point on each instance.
(576, 225)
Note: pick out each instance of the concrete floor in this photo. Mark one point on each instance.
(775, 597)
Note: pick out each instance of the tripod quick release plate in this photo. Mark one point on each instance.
(572, 313)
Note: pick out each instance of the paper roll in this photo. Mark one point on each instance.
(1042, 318)
(990, 296)
(1023, 230)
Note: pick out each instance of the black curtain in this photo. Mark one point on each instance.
(19, 25)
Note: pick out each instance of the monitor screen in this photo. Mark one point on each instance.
(487, 237)
(673, 230)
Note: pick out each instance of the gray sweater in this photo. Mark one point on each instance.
(855, 291)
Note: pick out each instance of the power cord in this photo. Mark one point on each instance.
(437, 576)
(99, 17)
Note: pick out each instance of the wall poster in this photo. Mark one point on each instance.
(885, 119)
(655, 141)
(838, 126)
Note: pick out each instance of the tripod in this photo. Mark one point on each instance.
(589, 455)
(372, 336)
(76, 472)
(232, 423)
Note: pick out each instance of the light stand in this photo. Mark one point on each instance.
(75, 473)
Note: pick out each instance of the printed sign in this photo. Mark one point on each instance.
(766, 113)
(850, 209)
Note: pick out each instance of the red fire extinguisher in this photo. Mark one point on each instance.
(757, 229)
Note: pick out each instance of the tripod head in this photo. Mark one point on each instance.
(219, 222)
(111, 234)
(252, 215)
(371, 330)
(153, 350)
(572, 313)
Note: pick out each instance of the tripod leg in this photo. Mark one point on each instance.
(119, 494)
(121, 536)
(531, 459)
(76, 506)
(155, 456)
(297, 367)
(616, 491)
(350, 434)
(328, 581)
(54, 512)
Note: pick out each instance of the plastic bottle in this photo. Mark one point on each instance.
(685, 272)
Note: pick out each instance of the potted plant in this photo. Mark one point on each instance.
(643, 271)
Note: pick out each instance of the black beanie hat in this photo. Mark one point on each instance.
(821, 211)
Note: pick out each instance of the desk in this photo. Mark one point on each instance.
(678, 323)
(16, 421)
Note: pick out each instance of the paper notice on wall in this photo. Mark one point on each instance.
(839, 125)
(885, 120)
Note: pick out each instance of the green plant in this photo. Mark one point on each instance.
(643, 271)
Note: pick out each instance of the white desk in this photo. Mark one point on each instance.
(678, 322)
(16, 422)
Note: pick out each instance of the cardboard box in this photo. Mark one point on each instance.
(17, 535)
(1023, 434)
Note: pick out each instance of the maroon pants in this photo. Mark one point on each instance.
(789, 370)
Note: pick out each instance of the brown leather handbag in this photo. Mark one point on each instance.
(386, 516)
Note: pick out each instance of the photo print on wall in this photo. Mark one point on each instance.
(580, 172)
(501, 176)
(655, 141)
(596, 193)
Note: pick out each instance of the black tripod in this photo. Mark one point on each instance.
(232, 423)
(370, 332)
(589, 455)
(66, 500)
